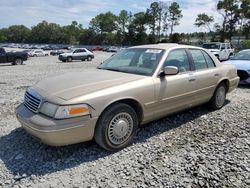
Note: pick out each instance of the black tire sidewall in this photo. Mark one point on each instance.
(213, 102)
(16, 63)
(69, 59)
(101, 133)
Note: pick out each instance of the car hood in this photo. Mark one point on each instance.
(214, 50)
(66, 54)
(240, 64)
(75, 84)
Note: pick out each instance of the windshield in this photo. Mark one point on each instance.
(243, 55)
(211, 46)
(142, 61)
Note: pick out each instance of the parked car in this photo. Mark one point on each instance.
(242, 62)
(29, 52)
(97, 48)
(113, 49)
(56, 52)
(138, 85)
(223, 51)
(39, 53)
(76, 54)
(15, 58)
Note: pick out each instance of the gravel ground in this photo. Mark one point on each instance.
(195, 148)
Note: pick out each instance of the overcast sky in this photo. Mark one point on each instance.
(30, 12)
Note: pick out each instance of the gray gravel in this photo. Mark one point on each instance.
(195, 148)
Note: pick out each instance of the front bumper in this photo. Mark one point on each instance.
(56, 132)
(62, 58)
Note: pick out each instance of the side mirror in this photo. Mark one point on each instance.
(171, 70)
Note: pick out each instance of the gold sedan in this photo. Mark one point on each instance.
(137, 85)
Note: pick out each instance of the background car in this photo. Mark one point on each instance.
(39, 53)
(222, 51)
(76, 54)
(15, 58)
(56, 52)
(242, 62)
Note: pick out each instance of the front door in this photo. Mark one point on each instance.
(175, 92)
(2, 56)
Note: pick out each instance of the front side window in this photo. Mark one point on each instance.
(179, 59)
(198, 59)
(142, 61)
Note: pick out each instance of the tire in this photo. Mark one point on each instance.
(116, 127)
(89, 58)
(18, 61)
(219, 97)
(69, 59)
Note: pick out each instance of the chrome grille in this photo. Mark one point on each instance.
(32, 101)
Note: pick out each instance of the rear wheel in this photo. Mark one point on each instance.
(116, 127)
(18, 61)
(219, 97)
(89, 58)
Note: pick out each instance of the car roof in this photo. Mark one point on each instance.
(165, 46)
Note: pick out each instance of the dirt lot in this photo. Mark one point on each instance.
(196, 148)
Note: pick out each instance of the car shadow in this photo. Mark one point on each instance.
(10, 65)
(241, 86)
(22, 154)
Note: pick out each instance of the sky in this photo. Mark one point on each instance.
(63, 12)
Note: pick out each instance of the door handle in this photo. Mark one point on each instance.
(216, 75)
(192, 80)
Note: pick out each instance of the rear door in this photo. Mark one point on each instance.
(206, 75)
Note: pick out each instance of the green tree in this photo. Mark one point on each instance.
(174, 16)
(104, 23)
(17, 33)
(123, 20)
(229, 10)
(203, 20)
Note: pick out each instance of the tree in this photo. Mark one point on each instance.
(104, 23)
(17, 33)
(229, 10)
(174, 15)
(245, 17)
(203, 20)
(152, 16)
(122, 20)
(137, 29)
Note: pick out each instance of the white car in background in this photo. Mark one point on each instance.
(39, 53)
(223, 51)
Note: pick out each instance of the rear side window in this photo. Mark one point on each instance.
(210, 62)
(178, 58)
(198, 58)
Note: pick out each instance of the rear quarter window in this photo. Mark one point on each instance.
(210, 62)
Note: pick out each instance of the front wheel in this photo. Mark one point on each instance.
(69, 59)
(116, 127)
(219, 97)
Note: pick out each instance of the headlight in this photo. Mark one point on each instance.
(49, 109)
(64, 112)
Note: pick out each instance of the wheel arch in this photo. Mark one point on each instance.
(225, 81)
(132, 103)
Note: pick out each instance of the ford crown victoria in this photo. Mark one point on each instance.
(135, 86)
